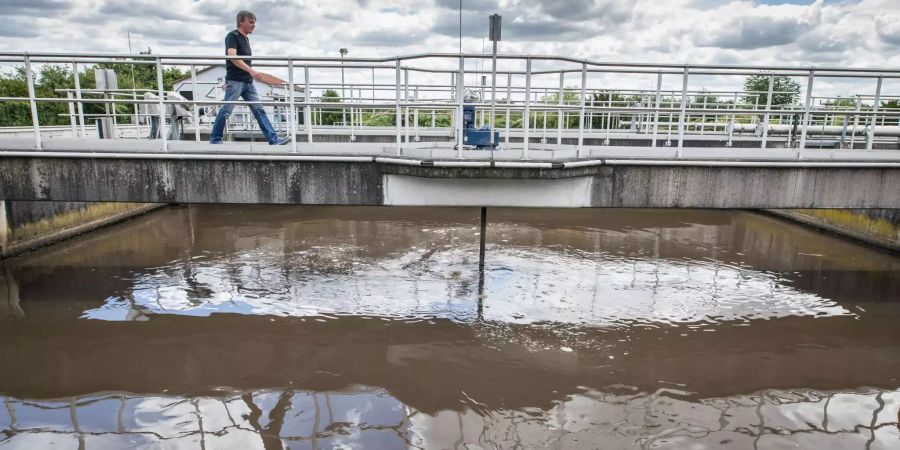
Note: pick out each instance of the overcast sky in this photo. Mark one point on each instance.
(823, 32)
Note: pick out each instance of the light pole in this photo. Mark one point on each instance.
(343, 111)
(494, 34)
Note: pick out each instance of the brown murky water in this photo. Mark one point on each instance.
(312, 328)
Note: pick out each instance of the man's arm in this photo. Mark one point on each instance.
(242, 65)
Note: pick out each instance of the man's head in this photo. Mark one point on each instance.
(246, 22)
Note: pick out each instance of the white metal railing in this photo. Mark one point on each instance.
(656, 114)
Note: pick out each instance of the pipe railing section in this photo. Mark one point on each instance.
(578, 110)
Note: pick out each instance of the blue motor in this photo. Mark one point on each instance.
(480, 138)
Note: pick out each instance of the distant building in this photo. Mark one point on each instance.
(211, 86)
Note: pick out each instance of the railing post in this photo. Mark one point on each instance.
(871, 141)
(78, 99)
(307, 110)
(765, 130)
(416, 114)
(397, 107)
(71, 105)
(559, 112)
(806, 109)
(581, 112)
(196, 106)
(508, 102)
(855, 122)
(460, 94)
(527, 117)
(493, 91)
(162, 107)
(734, 106)
(293, 115)
(29, 78)
(406, 109)
(681, 117)
(656, 112)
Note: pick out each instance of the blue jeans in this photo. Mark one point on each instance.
(247, 91)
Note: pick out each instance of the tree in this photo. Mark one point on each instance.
(892, 107)
(570, 97)
(50, 78)
(785, 90)
(331, 116)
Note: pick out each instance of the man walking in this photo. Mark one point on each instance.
(239, 82)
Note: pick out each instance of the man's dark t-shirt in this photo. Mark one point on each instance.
(239, 42)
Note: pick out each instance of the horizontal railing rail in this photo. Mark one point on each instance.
(571, 108)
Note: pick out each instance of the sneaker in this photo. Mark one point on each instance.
(216, 142)
(281, 141)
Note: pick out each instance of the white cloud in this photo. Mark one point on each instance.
(833, 32)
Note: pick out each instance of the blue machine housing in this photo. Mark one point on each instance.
(478, 137)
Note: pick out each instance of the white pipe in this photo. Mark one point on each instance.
(459, 164)
(523, 165)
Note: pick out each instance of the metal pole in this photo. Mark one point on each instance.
(591, 114)
(481, 239)
(493, 90)
(765, 131)
(460, 93)
(162, 106)
(806, 106)
(196, 113)
(508, 102)
(397, 107)
(559, 112)
(527, 117)
(32, 103)
(352, 114)
(581, 112)
(293, 115)
(406, 109)
(78, 97)
(416, 115)
(543, 124)
(343, 110)
(608, 117)
(71, 113)
(681, 116)
(656, 112)
(734, 106)
(855, 122)
(871, 143)
(307, 110)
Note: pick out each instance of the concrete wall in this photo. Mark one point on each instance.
(879, 227)
(368, 183)
(25, 225)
